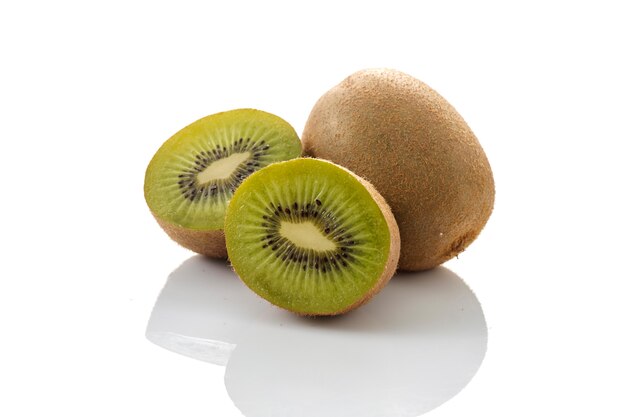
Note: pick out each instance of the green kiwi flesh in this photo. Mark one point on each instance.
(418, 152)
(311, 237)
(192, 177)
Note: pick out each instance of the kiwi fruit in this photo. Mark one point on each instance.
(419, 153)
(311, 237)
(192, 177)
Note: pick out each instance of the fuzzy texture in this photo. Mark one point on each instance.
(418, 152)
(205, 242)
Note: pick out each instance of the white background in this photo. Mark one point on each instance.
(88, 91)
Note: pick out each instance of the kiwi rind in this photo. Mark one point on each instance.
(241, 251)
(210, 243)
(201, 229)
(419, 153)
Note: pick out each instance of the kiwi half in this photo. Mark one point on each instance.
(192, 177)
(416, 149)
(311, 237)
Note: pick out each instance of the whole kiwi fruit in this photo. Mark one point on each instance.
(413, 146)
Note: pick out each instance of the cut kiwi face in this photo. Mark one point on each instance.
(311, 237)
(192, 177)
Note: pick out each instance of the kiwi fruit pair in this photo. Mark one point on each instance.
(419, 153)
(305, 234)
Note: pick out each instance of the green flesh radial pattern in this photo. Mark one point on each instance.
(192, 177)
(307, 236)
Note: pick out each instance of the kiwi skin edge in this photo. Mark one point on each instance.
(205, 242)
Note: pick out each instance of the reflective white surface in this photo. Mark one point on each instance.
(413, 347)
(90, 90)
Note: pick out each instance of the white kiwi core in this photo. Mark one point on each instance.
(222, 168)
(306, 235)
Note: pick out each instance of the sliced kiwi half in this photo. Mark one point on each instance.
(311, 237)
(192, 177)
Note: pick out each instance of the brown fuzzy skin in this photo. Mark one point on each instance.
(394, 245)
(418, 152)
(205, 242)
